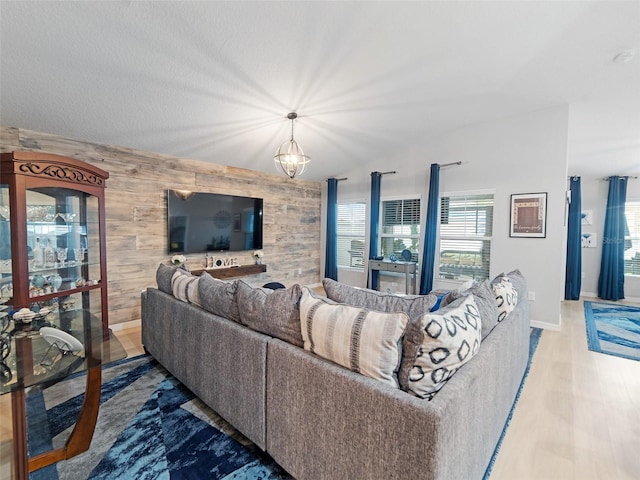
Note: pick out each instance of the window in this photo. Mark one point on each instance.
(400, 227)
(632, 240)
(466, 227)
(350, 234)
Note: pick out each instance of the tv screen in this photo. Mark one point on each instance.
(211, 222)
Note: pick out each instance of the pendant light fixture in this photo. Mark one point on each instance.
(289, 157)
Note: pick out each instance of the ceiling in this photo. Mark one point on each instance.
(214, 81)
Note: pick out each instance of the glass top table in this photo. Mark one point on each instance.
(43, 350)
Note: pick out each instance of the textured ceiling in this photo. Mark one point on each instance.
(214, 81)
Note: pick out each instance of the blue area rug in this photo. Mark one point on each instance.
(151, 427)
(613, 329)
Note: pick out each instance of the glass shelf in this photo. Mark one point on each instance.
(81, 324)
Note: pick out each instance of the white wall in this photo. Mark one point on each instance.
(594, 197)
(522, 154)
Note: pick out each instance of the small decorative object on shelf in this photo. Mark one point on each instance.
(178, 260)
(55, 281)
(78, 254)
(49, 255)
(258, 254)
(62, 255)
(38, 280)
(38, 254)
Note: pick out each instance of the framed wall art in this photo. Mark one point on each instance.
(528, 215)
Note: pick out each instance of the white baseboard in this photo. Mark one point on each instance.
(124, 325)
(545, 325)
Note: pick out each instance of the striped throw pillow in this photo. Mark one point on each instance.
(185, 287)
(362, 340)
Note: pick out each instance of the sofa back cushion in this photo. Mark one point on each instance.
(164, 274)
(413, 305)
(362, 340)
(506, 296)
(447, 339)
(274, 312)
(486, 303)
(517, 280)
(219, 297)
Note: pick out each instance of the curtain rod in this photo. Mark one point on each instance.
(387, 173)
(573, 177)
(452, 163)
(629, 177)
(337, 179)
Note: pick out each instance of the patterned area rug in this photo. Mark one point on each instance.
(613, 329)
(151, 427)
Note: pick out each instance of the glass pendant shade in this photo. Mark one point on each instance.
(289, 157)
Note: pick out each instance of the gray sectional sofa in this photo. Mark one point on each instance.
(320, 420)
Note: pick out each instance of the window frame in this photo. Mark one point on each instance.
(350, 237)
(418, 237)
(485, 238)
(634, 236)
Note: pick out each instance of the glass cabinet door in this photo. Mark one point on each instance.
(63, 249)
(6, 281)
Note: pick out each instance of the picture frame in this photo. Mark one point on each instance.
(528, 217)
(589, 240)
(587, 217)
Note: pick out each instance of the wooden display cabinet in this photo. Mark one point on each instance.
(53, 255)
(52, 242)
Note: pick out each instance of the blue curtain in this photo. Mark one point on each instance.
(331, 252)
(431, 231)
(611, 281)
(573, 274)
(374, 226)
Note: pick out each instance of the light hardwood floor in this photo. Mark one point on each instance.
(578, 417)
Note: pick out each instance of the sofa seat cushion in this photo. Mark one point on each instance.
(446, 340)
(219, 297)
(362, 340)
(274, 312)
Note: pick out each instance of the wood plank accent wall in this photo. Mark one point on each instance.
(136, 213)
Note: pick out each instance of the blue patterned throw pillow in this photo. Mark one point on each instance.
(446, 340)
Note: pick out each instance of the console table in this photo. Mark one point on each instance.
(408, 268)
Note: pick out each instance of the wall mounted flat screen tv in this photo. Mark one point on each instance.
(211, 222)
